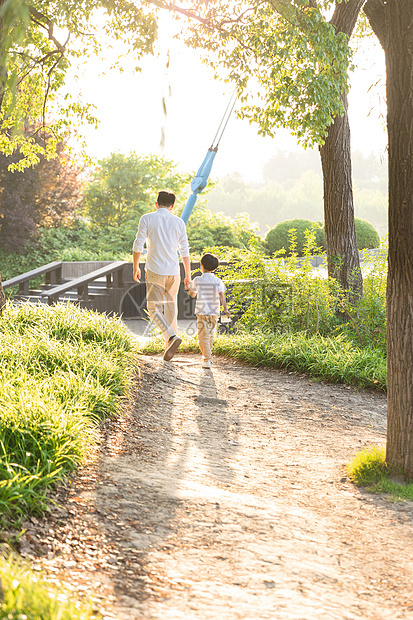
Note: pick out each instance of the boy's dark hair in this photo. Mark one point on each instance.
(209, 262)
(166, 199)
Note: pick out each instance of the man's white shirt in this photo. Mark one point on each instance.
(165, 234)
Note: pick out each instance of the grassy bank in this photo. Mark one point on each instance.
(369, 469)
(61, 371)
(26, 596)
(335, 359)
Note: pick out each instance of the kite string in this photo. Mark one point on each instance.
(226, 116)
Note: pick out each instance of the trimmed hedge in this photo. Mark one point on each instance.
(277, 238)
(367, 236)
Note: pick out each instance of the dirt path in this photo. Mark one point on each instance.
(223, 495)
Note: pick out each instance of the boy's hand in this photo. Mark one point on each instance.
(137, 274)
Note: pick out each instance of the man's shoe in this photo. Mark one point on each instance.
(172, 348)
(207, 364)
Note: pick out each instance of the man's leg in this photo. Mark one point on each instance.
(155, 293)
(171, 304)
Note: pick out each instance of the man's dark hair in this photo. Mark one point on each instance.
(209, 262)
(166, 199)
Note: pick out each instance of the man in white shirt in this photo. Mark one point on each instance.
(164, 234)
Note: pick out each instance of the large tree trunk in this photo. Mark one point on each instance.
(393, 24)
(341, 242)
(2, 297)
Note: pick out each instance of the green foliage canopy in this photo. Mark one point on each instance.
(46, 195)
(206, 229)
(289, 62)
(123, 187)
(39, 42)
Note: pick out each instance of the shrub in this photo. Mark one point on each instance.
(367, 236)
(206, 229)
(78, 241)
(123, 187)
(367, 318)
(289, 296)
(278, 238)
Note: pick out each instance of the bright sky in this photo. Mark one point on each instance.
(129, 106)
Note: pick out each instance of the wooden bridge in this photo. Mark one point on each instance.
(104, 286)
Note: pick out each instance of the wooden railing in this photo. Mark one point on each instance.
(52, 272)
(114, 279)
(120, 294)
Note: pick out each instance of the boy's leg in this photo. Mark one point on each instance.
(206, 326)
(204, 337)
(155, 292)
(212, 326)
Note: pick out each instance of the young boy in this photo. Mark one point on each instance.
(210, 291)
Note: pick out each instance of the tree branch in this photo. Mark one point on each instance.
(176, 9)
(208, 23)
(345, 16)
(47, 24)
(49, 80)
(375, 11)
(34, 61)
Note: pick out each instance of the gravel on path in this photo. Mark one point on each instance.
(223, 495)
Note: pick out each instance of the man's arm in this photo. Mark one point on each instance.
(187, 266)
(138, 247)
(136, 270)
(184, 252)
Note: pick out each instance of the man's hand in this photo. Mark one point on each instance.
(136, 270)
(187, 266)
(227, 314)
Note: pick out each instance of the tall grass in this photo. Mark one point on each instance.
(336, 359)
(369, 469)
(62, 370)
(26, 597)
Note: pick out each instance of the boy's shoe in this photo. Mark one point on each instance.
(171, 348)
(207, 364)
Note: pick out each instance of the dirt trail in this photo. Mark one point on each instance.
(223, 495)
